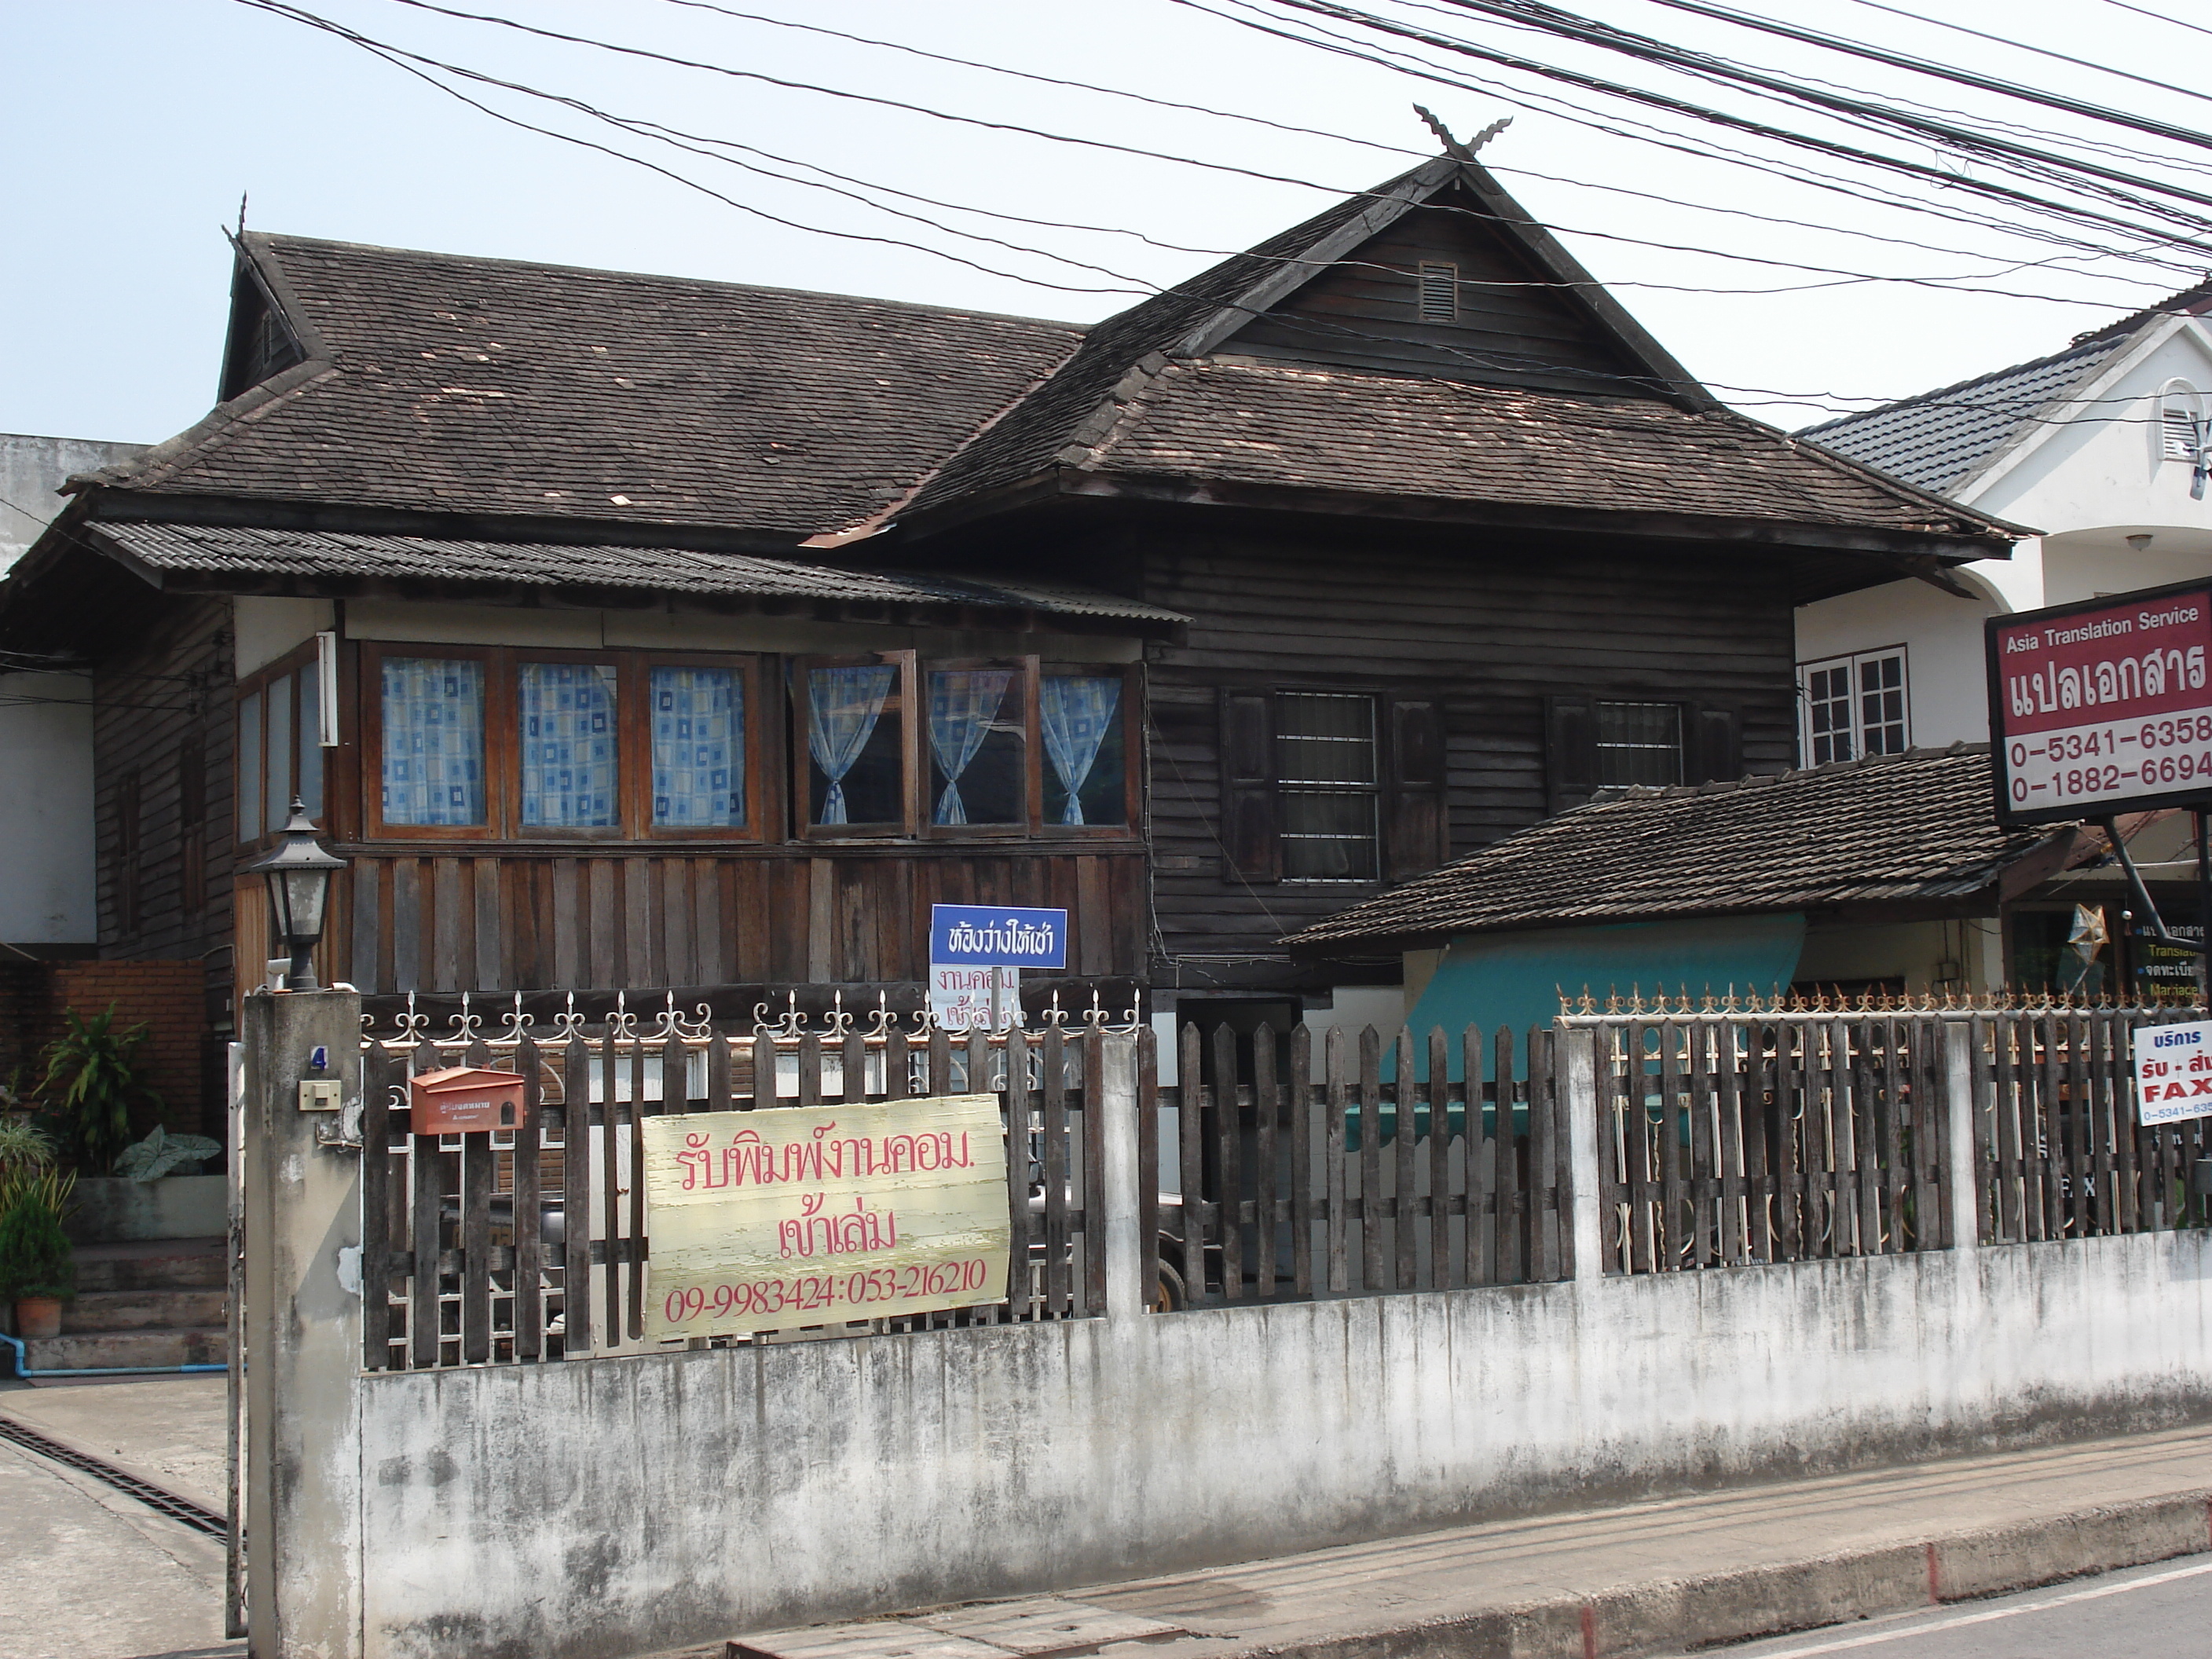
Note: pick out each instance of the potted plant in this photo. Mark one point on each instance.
(38, 1272)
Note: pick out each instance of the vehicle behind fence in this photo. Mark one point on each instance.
(1290, 1164)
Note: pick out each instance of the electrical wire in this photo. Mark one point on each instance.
(2159, 16)
(2044, 52)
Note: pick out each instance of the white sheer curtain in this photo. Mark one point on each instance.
(843, 705)
(962, 703)
(1078, 710)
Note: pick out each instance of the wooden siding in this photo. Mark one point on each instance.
(1365, 312)
(161, 723)
(1486, 624)
(496, 919)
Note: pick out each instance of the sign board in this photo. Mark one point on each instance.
(963, 999)
(997, 936)
(2102, 708)
(770, 1220)
(2173, 1072)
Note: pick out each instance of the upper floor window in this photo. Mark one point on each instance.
(280, 747)
(1852, 706)
(1639, 743)
(483, 743)
(893, 744)
(1593, 742)
(1330, 778)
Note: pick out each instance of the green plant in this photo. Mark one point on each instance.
(162, 1153)
(35, 1260)
(94, 1075)
(26, 1151)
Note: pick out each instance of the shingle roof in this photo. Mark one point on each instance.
(1247, 422)
(1913, 827)
(1941, 438)
(250, 556)
(486, 385)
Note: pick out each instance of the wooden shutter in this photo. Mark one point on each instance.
(1570, 751)
(1715, 742)
(1250, 849)
(1416, 828)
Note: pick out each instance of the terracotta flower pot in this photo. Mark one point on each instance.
(39, 1316)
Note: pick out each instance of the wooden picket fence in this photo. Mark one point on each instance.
(456, 1274)
(1355, 1177)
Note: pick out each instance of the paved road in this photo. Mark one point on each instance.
(2163, 1612)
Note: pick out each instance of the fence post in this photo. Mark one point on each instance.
(1580, 1172)
(303, 1323)
(1117, 1094)
(1958, 1127)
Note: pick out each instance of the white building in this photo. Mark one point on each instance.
(46, 879)
(2100, 448)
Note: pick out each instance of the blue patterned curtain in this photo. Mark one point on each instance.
(434, 766)
(1076, 710)
(567, 710)
(962, 703)
(843, 705)
(698, 747)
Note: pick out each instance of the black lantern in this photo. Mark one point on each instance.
(299, 877)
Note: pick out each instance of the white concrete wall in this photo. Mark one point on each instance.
(31, 469)
(48, 885)
(2093, 480)
(621, 1505)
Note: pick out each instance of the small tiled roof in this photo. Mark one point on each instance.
(1247, 422)
(1896, 828)
(1942, 439)
(226, 558)
(455, 385)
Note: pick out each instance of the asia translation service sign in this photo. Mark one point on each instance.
(769, 1220)
(2173, 1072)
(2102, 708)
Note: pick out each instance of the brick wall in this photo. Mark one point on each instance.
(170, 998)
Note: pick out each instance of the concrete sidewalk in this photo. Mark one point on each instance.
(1648, 1577)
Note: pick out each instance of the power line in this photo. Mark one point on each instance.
(2044, 52)
(2163, 17)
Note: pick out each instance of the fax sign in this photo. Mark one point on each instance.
(2173, 1072)
(997, 936)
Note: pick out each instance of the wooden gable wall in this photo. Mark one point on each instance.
(1365, 312)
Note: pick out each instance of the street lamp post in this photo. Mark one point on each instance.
(299, 876)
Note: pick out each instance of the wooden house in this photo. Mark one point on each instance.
(630, 632)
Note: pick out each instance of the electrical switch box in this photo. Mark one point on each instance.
(321, 1094)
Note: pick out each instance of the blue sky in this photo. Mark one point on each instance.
(133, 126)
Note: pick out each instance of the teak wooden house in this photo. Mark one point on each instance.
(675, 633)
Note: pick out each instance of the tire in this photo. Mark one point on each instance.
(1168, 1295)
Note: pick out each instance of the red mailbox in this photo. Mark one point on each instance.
(463, 1099)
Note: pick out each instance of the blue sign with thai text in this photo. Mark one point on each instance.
(998, 936)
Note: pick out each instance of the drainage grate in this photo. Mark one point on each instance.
(176, 1508)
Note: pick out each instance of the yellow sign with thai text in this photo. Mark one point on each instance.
(775, 1220)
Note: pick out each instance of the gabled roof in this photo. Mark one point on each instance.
(1945, 439)
(440, 383)
(225, 559)
(1911, 828)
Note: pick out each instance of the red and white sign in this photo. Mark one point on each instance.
(2102, 708)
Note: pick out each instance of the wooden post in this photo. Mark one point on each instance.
(1579, 1176)
(1959, 1126)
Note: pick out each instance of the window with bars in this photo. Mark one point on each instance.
(1853, 706)
(1593, 742)
(1325, 747)
(1439, 286)
(1639, 743)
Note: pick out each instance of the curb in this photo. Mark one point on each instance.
(1774, 1600)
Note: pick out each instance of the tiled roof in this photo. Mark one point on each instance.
(1913, 827)
(1247, 422)
(484, 385)
(251, 556)
(1941, 439)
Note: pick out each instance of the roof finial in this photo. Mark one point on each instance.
(1453, 148)
(242, 213)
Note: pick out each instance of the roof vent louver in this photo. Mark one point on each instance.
(1439, 293)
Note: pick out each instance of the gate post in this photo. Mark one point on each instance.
(303, 1324)
(1120, 1175)
(1959, 1131)
(1581, 1172)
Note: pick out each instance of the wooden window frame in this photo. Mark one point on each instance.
(289, 669)
(761, 812)
(499, 759)
(1133, 715)
(1025, 671)
(913, 756)
(633, 669)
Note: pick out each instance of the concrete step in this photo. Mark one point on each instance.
(103, 1350)
(138, 1310)
(161, 1264)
